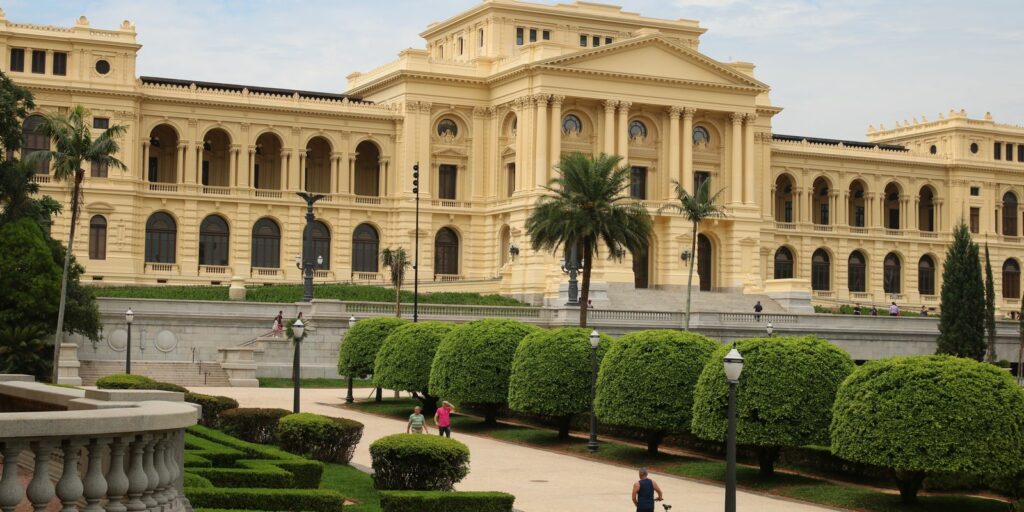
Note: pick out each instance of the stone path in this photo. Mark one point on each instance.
(542, 481)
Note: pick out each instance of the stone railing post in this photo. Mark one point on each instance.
(137, 480)
(40, 490)
(95, 485)
(152, 477)
(11, 490)
(70, 487)
(117, 480)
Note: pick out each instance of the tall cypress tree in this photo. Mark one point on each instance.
(990, 309)
(962, 320)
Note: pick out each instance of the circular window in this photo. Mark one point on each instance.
(974, 147)
(447, 128)
(701, 135)
(102, 67)
(572, 125)
(637, 130)
(933, 149)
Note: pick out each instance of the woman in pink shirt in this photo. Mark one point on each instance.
(443, 419)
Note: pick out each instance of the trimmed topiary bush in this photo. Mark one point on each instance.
(418, 462)
(647, 379)
(359, 347)
(444, 501)
(473, 363)
(297, 500)
(126, 381)
(194, 480)
(784, 397)
(404, 360)
(319, 437)
(255, 425)
(213, 406)
(925, 414)
(551, 374)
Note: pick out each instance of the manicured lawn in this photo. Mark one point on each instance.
(840, 495)
(284, 382)
(355, 484)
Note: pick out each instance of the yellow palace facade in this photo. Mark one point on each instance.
(485, 109)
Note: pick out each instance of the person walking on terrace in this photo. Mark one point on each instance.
(278, 324)
(417, 423)
(894, 310)
(757, 311)
(643, 493)
(443, 419)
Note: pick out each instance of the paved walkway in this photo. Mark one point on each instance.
(542, 481)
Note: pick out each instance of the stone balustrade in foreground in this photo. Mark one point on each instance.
(91, 450)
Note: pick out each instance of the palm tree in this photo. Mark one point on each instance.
(74, 146)
(589, 206)
(396, 262)
(695, 208)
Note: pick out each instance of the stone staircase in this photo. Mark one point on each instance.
(624, 296)
(182, 373)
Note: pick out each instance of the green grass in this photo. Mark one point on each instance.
(354, 484)
(284, 382)
(293, 293)
(859, 498)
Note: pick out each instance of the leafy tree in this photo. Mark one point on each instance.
(990, 309)
(23, 349)
(29, 278)
(74, 146)
(1020, 349)
(696, 207)
(647, 379)
(962, 310)
(588, 206)
(19, 195)
(925, 414)
(360, 345)
(784, 396)
(551, 374)
(396, 262)
(15, 104)
(474, 361)
(405, 357)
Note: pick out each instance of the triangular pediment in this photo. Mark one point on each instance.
(655, 58)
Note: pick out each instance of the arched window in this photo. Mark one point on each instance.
(857, 206)
(161, 232)
(891, 207)
(856, 272)
(213, 241)
(571, 125)
(892, 272)
(926, 275)
(322, 244)
(783, 264)
(701, 135)
(367, 177)
(446, 252)
(784, 203)
(637, 130)
(821, 271)
(266, 244)
(98, 238)
(1010, 214)
(365, 243)
(1011, 279)
(447, 128)
(820, 203)
(34, 141)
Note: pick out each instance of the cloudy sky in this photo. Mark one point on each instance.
(836, 66)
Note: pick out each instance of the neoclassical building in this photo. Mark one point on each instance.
(485, 109)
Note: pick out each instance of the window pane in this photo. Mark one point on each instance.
(975, 219)
(608, 40)
(100, 123)
(60, 63)
(17, 59)
(98, 238)
(597, 41)
(38, 61)
(447, 182)
(638, 183)
(583, 40)
(546, 35)
(997, 151)
(533, 35)
(519, 35)
(98, 170)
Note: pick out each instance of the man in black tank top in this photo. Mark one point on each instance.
(643, 493)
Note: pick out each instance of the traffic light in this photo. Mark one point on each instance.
(416, 178)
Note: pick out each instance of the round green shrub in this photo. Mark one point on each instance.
(474, 360)
(319, 437)
(193, 480)
(551, 374)
(213, 406)
(361, 343)
(255, 425)
(418, 462)
(404, 360)
(784, 396)
(927, 414)
(647, 379)
(126, 381)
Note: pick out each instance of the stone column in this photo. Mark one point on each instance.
(520, 108)
(688, 113)
(283, 171)
(335, 167)
(673, 143)
(197, 166)
(736, 184)
(609, 127)
(622, 149)
(541, 147)
(938, 215)
(180, 171)
(144, 170)
(869, 210)
(834, 209)
(556, 131)
(748, 159)
(303, 178)
(250, 173)
(233, 165)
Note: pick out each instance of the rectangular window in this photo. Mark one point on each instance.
(787, 214)
(510, 176)
(38, 61)
(583, 40)
(608, 40)
(446, 183)
(98, 239)
(533, 35)
(596, 40)
(462, 48)
(1009, 152)
(256, 176)
(480, 36)
(154, 165)
(1020, 152)
(975, 220)
(998, 151)
(858, 217)
(975, 191)
(17, 59)
(99, 170)
(546, 35)
(100, 123)
(638, 183)
(519, 35)
(60, 63)
(206, 173)
(823, 214)
(699, 178)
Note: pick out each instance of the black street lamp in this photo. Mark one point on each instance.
(595, 340)
(571, 266)
(129, 316)
(348, 398)
(307, 246)
(298, 332)
(733, 363)
(416, 250)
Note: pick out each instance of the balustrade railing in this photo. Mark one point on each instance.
(267, 194)
(265, 272)
(858, 230)
(214, 270)
(217, 191)
(788, 226)
(161, 267)
(366, 200)
(447, 278)
(746, 318)
(823, 228)
(163, 187)
(366, 276)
